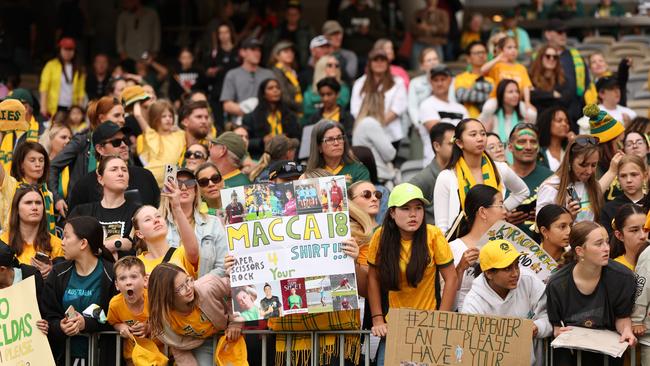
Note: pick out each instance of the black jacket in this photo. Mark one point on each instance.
(75, 154)
(259, 127)
(53, 311)
(345, 118)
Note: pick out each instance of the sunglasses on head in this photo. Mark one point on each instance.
(584, 141)
(194, 155)
(204, 182)
(367, 194)
(118, 142)
(291, 168)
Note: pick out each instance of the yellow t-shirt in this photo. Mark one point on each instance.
(621, 259)
(421, 297)
(195, 324)
(466, 80)
(119, 312)
(178, 258)
(29, 251)
(516, 72)
(157, 150)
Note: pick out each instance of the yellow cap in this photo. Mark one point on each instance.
(405, 192)
(497, 254)
(132, 94)
(12, 116)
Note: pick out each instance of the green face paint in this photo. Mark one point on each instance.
(527, 131)
(518, 147)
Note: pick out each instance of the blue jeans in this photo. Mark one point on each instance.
(381, 352)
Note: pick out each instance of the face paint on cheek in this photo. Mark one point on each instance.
(518, 147)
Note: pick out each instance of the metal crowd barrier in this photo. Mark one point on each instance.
(93, 354)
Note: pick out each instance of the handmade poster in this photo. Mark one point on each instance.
(431, 338)
(287, 242)
(21, 343)
(534, 257)
(593, 340)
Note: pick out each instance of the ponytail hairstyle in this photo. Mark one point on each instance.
(479, 196)
(548, 215)
(388, 255)
(161, 295)
(457, 152)
(99, 107)
(87, 227)
(577, 238)
(617, 248)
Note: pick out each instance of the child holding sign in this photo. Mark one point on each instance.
(407, 271)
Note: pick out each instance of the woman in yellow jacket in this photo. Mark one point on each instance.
(62, 84)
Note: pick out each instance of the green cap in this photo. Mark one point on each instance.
(23, 95)
(233, 142)
(405, 192)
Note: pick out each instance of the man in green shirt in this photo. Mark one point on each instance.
(227, 152)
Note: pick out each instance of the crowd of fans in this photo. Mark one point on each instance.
(540, 138)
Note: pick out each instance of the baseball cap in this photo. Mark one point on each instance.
(555, 25)
(282, 45)
(405, 192)
(331, 27)
(132, 94)
(12, 115)
(7, 256)
(377, 53)
(185, 171)
(107, 130)
(440, 70)
(67, 43)
(318, 41)
(251, 42)
(497, 254)
(233, 142)
(606, 83)
(285, 169)
(22, 95)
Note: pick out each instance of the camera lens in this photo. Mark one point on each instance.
(118, 244)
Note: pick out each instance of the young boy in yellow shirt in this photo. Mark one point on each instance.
(128, 311)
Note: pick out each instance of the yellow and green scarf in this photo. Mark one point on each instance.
(579, 65)
(466, 180)
(293, 79)
(275, 122)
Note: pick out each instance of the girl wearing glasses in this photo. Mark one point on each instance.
(483, 208)
(195, 155)
(636, 143)
(548, 79)
(162, 142)
(470, 165)
(150, 231)
(495, 148)
(591, 291)
(186, 314)
(574, 184)
(113, 212)
(208, 230)
(210, 185)
(326, 67)
(271, 117)
(631, 176)
(84, 278)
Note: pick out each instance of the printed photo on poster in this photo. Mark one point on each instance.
(244, 300)
(234, 209)
(345, 302)
(335, 188)
(307, 198)
(343, 284)
(270, 304)
(294, 296)
(283, 200)
(258, 202)
(319, 296)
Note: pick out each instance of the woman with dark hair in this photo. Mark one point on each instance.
(271, 117)
(470, 165)
(78, 157)
(283, 64)
(329, 89)
(30, 167)
(330, 150)
(408, 279)
(28, 234)
(210, 184)
(195, 155)
(186, 78)
(554, 134)
(327, 67)
(113, 212)
(629, 238)
(502, 114)
(223, 57)
(85, 278)
(577, 292)
(483, 208)
(63, 83)
(554, 225)
(547, 75)
(636, 143)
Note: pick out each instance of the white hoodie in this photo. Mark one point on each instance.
(527, 301)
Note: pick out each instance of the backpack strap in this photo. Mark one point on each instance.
(168, 255)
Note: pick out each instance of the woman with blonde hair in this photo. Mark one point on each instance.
(279, 147)
(327, 66)
(55, 138)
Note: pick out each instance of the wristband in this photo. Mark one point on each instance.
(374, 316)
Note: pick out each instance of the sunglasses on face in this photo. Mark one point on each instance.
(118, 142)
(194, 155)
(367, 194)
(188, 183)
(336, 66)
(551, 57)
(204, 182)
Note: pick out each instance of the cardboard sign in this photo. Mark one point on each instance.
(286, 239)
(431, 338)
(21, 343)
(534, 257)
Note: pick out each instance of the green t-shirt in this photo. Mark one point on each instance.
(251, 314)
(237, 180)
(295, 301)
(355, 171)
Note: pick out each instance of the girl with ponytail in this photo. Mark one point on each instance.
(554, 226)
(591, 291)
(483, 208)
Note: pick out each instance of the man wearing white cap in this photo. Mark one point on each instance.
(318, 47)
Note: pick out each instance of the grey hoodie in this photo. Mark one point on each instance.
(527, 301)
